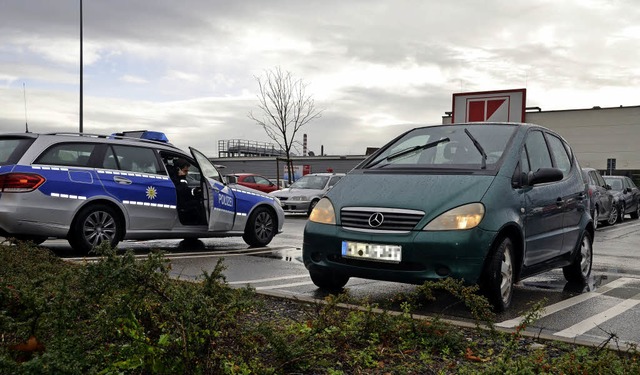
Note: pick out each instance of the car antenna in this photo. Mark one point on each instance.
(26, 125)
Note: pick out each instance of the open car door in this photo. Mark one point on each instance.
(220, 198)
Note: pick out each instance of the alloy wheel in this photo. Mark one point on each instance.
(586, 256)
(506, 271)
(99, 227)
(613, 216)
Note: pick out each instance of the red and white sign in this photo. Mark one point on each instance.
(494, 106)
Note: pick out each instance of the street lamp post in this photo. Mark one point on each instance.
(81, 67)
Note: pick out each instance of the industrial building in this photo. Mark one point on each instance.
(603, 138)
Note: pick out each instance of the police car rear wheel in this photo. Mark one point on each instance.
(94, 225)
(261, 227)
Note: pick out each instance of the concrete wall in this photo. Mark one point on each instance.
(597, 134)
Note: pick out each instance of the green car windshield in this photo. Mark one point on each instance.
(471, 146)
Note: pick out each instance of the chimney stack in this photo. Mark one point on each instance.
(304, 145)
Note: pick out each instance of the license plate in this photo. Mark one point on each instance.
(370, 251)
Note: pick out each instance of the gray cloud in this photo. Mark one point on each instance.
(187, 68)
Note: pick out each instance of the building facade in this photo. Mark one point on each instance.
(606, 139)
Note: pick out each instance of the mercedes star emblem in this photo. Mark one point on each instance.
(376, 220)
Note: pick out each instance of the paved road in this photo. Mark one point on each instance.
(607, 308)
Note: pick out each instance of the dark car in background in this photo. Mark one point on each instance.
(603, 205)
(486, 203)
(627, 194)
(252, 180)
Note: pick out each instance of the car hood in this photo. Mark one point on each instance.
(294, 192)
(432, 194)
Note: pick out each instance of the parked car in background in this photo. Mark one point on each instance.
(627, 194)
(252, 180)
(486, 203)
(90, 189)
(304, 193)
(603, 205)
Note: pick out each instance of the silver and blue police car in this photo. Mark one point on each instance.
(90, 188)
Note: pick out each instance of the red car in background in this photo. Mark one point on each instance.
(254, 181)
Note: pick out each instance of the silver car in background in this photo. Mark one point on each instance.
(302, 195)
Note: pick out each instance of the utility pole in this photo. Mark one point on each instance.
(81, 68)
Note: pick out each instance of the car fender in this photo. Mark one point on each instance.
(247, 200)
(105, 199)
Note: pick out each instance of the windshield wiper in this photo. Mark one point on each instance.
(479, 147)
(409, 150)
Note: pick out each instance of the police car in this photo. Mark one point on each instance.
(90, 188)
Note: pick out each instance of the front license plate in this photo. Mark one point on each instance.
(370, 251)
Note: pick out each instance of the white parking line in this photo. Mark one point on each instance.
(225, 254)
(267, 280)
(594, 321)
(548, 310)
(285, 285)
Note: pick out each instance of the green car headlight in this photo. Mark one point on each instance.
(323, 212)
(459, 218)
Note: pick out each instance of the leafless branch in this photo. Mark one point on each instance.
(285, 108)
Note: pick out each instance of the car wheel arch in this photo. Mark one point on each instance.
(514, 233)
(250, 236)
(116, 207)
(267, 206)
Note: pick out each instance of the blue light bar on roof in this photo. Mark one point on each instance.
(154, 136)
(144, 134)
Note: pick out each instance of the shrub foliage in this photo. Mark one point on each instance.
(118, 315)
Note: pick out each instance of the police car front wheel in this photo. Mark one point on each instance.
(261, 227)
(94, 225)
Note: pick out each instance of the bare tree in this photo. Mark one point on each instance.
(285, 108)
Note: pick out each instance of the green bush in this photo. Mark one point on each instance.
(117, 315)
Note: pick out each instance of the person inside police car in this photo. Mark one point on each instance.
(190, 206)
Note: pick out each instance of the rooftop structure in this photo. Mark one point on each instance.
(229, 148)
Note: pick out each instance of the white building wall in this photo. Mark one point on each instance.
(597, 134)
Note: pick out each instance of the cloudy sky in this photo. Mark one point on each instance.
(189, 67)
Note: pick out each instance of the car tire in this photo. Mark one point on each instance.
(312, 205)
(328, 280)
(497, 283)
(621, 213)
(596, 218)
(580, 269)
(636, 214)
(613, 216)
(94, 225)
(260, 228)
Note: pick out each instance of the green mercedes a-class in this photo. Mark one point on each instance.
(488, 203)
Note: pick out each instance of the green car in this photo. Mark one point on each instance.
(488, 203)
